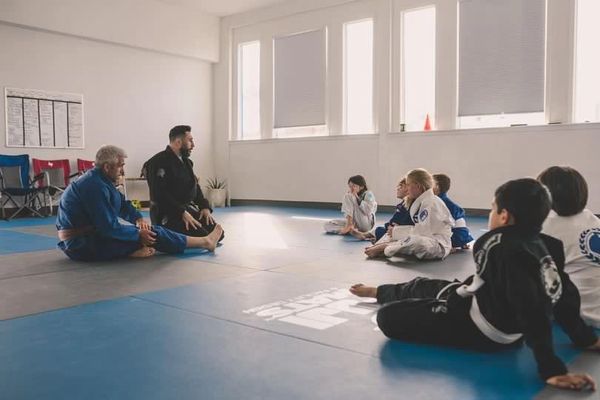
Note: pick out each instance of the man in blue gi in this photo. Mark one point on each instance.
(88, 218)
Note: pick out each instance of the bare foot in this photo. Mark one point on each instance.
(361, 290)
(358, 234)
(143, 252)
(376, 250)
(213, 238)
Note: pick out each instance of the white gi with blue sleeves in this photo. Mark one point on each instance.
(430, 237)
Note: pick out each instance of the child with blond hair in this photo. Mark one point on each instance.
(430, 236)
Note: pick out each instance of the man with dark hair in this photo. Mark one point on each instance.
(176, 199)
(518, 285)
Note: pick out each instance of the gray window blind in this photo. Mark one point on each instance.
(299, 79)
(501, 56)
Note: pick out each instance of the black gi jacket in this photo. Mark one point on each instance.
(173, 186)
(524, 284)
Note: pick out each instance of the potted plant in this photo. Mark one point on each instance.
(216, 192)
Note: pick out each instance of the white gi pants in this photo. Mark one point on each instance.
(362, 221)
(422, 247)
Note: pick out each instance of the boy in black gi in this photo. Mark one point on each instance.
(519, 283)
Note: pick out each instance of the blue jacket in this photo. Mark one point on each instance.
(93, 200)
(400, 217)
(460, 234)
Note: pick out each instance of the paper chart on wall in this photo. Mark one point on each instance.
(36, 118)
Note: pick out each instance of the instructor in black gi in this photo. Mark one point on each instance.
(176, 199)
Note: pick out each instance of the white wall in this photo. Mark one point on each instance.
(147, 24)
(132, 97)
(316, 169)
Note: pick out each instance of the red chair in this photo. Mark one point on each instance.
(84, 165)
(55, 176)
(57, 172)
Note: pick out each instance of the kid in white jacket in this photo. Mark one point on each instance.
(430, 236)
(359, 208)
(579, 230)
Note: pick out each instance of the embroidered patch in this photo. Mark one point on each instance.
(481, 257)
(589, 244)
(423, 215)
(550, 278)
(160, 173)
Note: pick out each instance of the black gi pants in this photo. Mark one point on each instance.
(177, 225)
(412, 311)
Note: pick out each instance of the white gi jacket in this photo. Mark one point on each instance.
(580, 235)
(432, 220)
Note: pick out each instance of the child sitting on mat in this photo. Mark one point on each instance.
(359, 208)
(400, 217)
(519, 282)
(579, 230)
(461, 237)
(429, 237)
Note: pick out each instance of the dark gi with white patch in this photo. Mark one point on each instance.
(520, 283)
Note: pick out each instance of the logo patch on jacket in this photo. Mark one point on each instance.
(160, 173)
(550, 278)
(423, 215)
(481, 257)
(589, 244)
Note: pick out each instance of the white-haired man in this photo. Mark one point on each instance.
(88, 218)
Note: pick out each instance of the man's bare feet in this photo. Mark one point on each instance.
(143, 252)
(361, 290)
(376, 250)
(213, 237)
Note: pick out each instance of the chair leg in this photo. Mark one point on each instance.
(4, 203)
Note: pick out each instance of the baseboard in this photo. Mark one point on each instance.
(471, 212)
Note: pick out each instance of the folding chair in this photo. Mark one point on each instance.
(84, 165)
(56, 175)
(15, 185)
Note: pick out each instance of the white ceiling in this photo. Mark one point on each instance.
(222, 8)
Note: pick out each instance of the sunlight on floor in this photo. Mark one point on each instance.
(262, 230)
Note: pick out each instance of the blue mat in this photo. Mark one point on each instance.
(132, 349)
(135, 349)
(19, 242)
(244, 300)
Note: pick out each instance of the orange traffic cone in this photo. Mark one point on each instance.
(427, 126)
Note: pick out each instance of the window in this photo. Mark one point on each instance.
(358, 76)
(501, 63)
(496, 120)
(299, 75)
(248, 90)
(301, 131)
(418, 69)
(587, 62)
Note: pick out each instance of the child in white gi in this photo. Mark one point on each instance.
(579, 230)
(430, 237)
(359, 208)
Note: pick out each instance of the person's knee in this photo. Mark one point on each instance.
(386, 320)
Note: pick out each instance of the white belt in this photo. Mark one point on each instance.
(488, 329)
(460, 223)
(448, 286)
